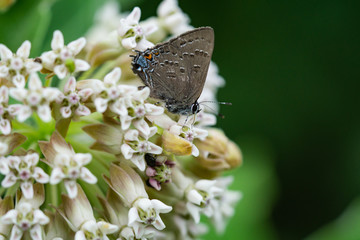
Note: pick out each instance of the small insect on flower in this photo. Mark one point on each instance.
(176, 70)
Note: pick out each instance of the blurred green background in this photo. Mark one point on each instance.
(292, 73)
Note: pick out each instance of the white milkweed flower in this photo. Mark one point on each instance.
(5, 116)
(172, 18)
(79, 215)
(68, 166)
(25, 218)
(188, 228)
(35, 99)
(227, 202)
(24, 169)
(137, 144)
(109, 94)
(61, 59)
(137, 110)
(143, 212)
(146, 212)
(72, 102)
(107, 20)
(202, 199)
(132, 35)
(117, 214)
(189, 133)
(95, 230)
(16, 67)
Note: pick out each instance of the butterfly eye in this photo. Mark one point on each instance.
(195, 108)
(137, 67)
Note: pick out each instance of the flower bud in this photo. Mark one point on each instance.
(217, 153)
(175, 144)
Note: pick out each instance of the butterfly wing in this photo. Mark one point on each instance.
(179, 70)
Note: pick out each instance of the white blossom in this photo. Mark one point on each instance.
(61, 59)
(202, 199)
(35, 99)
(72, 102)
(132, 35)
(227, 202)
(5, 116)
(109, 94)
(146, 212)
(23, 169)
(188, 228)
(25, 218)
(95, 230)
(107, 20)
(188, 133)
(136, 145)
(172, 17)
(138, 110)
(16, 67)
(70, 168)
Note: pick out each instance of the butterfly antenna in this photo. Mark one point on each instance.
(223, 103)
(218, 114)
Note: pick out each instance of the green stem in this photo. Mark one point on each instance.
(12, 190)
(85, 75)
(2, 190)
(48, 82)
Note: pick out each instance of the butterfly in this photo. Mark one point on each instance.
(176, 70)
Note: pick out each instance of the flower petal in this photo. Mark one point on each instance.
(160, 206)
(9, 217)
(107, 228)
(56, 176)
(81, 65)
(60, 71)
(36, 232)
(57, 41)
(5, 126)
(82, 111)
(65, 111)
(77, 45)
(24, 50)
(133, 216)
(101, 104)
(35, 82)
(27, 189)
(87, 176)
(134, 17)
(16, 233)
(19, 81)
(129, 43)
(194, 212)
(5, 53)
(71, 188)
(40, 176)
(82, 158)
(44, 113)
(70, 85)
(18, 93)
(80, 235)
(9, 180)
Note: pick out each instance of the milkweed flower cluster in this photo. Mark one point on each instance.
(92, 156)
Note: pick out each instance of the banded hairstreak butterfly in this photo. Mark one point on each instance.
(176, 70)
